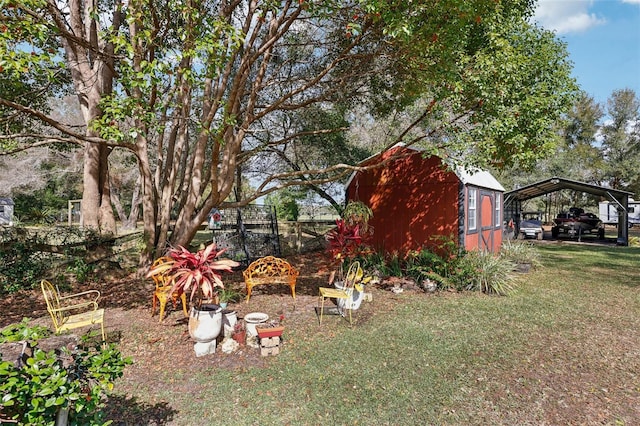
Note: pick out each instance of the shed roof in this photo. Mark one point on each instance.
(4, 201)
(481, 178)
(476, 177)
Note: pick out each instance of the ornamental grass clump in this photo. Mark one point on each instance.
(520, 252)
(491, 274)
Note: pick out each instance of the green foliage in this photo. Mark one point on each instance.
(448, 267)
(521, 252)
(23, 331)
(21, 263)
(184, 82)
(286, 203)
(357, 212)
(425, 264)
(77, 381)
(81, 270)
(44, 205)
(389, 265)
(487, 272)
(510, 80)
(22, 259)
(620, 145)
(229, 295)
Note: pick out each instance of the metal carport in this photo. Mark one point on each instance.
(513, 199)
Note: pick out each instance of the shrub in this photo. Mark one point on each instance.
(81, 269)
(24, 261)
(486, 272)
(21, 265)
(76, 381)
(419, 265)
(520, 252)
(449, 267)
(21, 331)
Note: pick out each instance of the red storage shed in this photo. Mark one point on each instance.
(414, 198)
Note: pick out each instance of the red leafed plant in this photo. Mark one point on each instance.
(344, 240)
(351, 236)
(195, 271)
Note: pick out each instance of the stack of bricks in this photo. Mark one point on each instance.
(269, 346)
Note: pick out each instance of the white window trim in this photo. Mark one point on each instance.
(472, 210)
(498, 210)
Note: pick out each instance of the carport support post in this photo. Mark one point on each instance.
(623, 218)
(623, 224)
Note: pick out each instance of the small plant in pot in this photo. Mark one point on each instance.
(228, 295)
(200, 275)
(239, 333)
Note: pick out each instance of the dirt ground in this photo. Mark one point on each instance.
(128, 320)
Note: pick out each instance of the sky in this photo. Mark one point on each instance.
(603, 40)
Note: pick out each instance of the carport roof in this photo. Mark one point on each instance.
(556, 184)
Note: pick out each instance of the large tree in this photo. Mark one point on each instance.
(198, 90)
(621, 141)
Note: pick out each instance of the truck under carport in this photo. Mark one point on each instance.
(513, 200)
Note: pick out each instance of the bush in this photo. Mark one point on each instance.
(486, 272)
(20, 263)
(22, 331)
(419, 265)
(76, 381)
(450, 267)
(520, 252)
(81, 270)
(23, 263)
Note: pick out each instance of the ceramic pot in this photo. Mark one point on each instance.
(240, 337)
(253, 319)
(229, 320)
(205, 323)
(353, 302)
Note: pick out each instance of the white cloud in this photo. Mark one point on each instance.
(567, 16)
(631, 1)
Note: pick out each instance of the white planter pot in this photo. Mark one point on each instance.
(205, 324)
(253, 319)
(351, 303)
(229, 320)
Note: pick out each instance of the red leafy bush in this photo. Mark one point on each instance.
(198, 271)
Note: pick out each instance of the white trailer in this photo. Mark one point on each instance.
(6, 211)
(608, 213)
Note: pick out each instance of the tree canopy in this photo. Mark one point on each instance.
(200, 90)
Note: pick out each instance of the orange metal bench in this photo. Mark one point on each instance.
(270, 270)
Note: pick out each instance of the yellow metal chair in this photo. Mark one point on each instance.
(161, 294)
(354, 275)
(74, 310)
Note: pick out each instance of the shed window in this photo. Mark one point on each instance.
(1, 209)
(496, 219)
(472, 209)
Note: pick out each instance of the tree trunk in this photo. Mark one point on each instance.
(129, 221)
(97, 212)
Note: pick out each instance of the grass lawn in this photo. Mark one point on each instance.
(563, 349)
